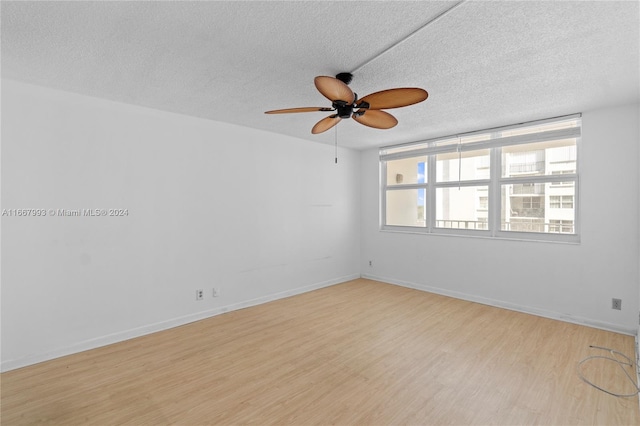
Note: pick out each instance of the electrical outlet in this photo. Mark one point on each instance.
(616, 304)
(199, 294)
(216, 292)
(371, 263)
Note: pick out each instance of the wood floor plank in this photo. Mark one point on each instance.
(361, 352)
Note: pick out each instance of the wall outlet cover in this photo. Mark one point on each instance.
(616, 304)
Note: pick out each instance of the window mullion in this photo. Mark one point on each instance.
(383, 195)
(495, 201)
(538, 179)
(463, 183)
(431, 193)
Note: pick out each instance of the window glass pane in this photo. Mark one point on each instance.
(407, 171)
(538, 207)
(473, 165)
(539, 159)
(463, 208)
(406, 207)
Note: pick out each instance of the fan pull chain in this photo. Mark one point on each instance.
(336, 144)
(459, 149)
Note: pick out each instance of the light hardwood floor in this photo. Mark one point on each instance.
(361, 352)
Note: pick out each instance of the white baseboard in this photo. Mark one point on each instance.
(511, 306)
(163, 325)
(638, 362)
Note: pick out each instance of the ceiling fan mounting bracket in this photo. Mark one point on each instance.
(345, 77)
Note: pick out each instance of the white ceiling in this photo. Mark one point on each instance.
(484, 64)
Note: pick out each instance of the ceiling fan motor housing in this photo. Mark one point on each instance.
(343, 109)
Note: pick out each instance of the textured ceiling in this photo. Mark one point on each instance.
(484, 64)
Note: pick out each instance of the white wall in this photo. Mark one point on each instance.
(565, 281)
(256, 214)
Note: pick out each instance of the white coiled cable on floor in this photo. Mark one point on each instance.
(620, 363)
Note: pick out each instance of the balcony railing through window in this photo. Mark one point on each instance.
(518, 168)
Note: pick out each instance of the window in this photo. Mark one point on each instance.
(406, 192)
(515, 182)
(483, 203)
(457, 208)
(564, 226)
(561, 201)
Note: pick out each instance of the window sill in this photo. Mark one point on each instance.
(488, 235)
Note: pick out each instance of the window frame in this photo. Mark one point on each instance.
(432, 147)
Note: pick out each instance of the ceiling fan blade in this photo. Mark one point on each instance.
(334, 89)
(303, 109)
(395, 98)
(325, 124)
(376, 119)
